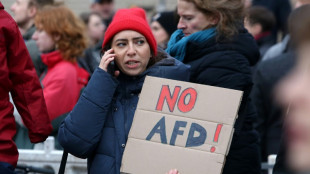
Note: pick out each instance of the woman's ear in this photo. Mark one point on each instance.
(32, 11)
(214, 19)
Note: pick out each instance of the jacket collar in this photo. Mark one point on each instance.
(243, 43)
(51, 59)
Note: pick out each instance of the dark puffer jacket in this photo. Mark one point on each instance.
(227, 64)
(98, 126)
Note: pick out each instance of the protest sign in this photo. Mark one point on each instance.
(181, 125)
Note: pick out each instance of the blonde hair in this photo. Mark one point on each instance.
(59, 21)
(230, 14)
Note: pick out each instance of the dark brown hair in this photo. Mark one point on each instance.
(261, 15)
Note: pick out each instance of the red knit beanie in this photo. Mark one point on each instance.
(130, 19)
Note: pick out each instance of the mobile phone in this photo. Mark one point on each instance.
(111, 68)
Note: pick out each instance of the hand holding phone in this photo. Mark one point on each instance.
(107, 62)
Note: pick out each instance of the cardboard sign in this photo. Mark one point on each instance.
(181, 125)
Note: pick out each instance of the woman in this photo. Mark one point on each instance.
(98, 126)
(212, 40)
(163, 25)
(95, 31)
(60, 38)
(95, 27)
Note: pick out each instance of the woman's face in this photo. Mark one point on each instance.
(43, 40)
(294, 95)
(191, 19)
(159, 33)
(132, 52)
(95, 28)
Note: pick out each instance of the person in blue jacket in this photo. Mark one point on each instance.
(211, 38)
(98, 126)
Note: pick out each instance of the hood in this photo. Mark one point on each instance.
(52, 58)
(243, 43)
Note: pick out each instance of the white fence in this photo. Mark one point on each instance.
(49, 158)
(45, 156)
(271, 162)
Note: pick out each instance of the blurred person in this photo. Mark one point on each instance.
(60, 38)
(293, 96)
(95, 29)
(281, 10)
(105, 8)
(259, 22)
(283, 46)
(24, 12)
(110, 98)
(163, 24)
(18, 76)
(269, 121)
(269, 73)
(95, 26)
(212, 40)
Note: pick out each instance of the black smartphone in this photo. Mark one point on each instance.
(112, 68)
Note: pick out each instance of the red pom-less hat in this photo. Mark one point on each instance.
(130, 19)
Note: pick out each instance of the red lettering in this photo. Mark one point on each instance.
(192, 93)
(166, 95)
(217, 132)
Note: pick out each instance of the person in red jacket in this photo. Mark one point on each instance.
(18, 76)
(60, 37)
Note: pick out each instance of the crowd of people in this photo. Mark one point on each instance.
(78, 78)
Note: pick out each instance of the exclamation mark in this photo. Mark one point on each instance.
(216, 136)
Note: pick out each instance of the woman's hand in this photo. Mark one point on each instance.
(173, 171)
(106, 59)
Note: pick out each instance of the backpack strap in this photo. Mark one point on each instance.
(63, 162)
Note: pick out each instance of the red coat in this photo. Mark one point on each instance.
(18, 76)
(61, 84)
